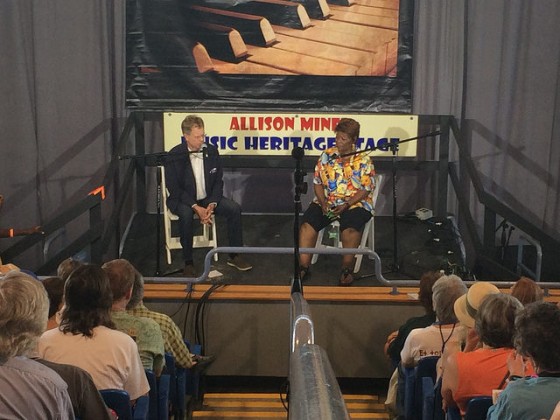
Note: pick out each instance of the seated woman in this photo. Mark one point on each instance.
(535, 339)
(527, 291)
(343, 187)
(395, 340)
(477, 373)
(432, 340)
(86, 336)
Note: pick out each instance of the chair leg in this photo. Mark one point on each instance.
(168, 251)
(318, 244)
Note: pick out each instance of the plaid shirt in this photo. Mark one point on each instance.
(172, 337)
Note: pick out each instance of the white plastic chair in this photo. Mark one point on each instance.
(207, 239)
(368, 235)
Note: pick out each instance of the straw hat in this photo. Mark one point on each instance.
(467, 305)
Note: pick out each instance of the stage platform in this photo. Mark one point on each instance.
(422, 246)
(244, 319)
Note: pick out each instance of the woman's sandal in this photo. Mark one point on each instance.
(346, 278)
(303, 273)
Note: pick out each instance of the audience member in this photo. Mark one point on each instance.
(86, 336)
(432, 340)
(530, 398)
(556, 413)
(144, 331)
(527, 291)
(477, 373)
(29, 389)
(172, 337)
(395, 340)
(466, 308)
(66, 267)
(55, 290)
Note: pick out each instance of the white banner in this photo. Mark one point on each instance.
(276, 134)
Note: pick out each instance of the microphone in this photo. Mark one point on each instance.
(297, 153)
(204, 151)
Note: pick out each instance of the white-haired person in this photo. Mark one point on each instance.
(432, 340)
(537, 342)
(29, 389)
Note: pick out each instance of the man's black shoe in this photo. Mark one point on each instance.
(202, 362)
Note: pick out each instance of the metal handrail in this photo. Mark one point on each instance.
(394, 284)
(303, 331)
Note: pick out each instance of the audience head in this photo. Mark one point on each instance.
(425, 293)
(446, 290)
(350, 127)
(536, 335)
(495, 320)
(24, 307)
(66, 267)
(527, 291)
(467, 305)
(137, 291)
(55, 290)
(87, 301)
(121, 277)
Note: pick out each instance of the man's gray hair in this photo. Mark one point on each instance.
(24, 310)
(445, 291)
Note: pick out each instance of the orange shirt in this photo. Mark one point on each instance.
(479, 372)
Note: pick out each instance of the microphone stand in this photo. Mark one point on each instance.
(300, 187)
(394, 146)
(160, 158)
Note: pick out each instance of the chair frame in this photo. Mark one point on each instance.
(207, 239)
(368, 235)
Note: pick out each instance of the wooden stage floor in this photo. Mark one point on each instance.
(416, 251)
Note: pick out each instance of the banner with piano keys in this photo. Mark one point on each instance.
(310, 55)
(276, 134)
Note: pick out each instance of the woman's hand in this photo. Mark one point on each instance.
(338, 210)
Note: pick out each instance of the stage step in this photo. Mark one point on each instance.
(233, 406)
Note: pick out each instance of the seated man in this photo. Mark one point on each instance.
(144, 331)
(29, 389)
(343, 187)
(87, 337)
(193, 175)
(173, 340)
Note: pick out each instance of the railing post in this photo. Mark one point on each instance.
(443, 163)
(95, 220)
(140, 149)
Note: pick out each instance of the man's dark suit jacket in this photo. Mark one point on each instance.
(180, 180)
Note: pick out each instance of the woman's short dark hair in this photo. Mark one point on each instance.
(348, 126)
(425, 292)
(495, 320)
(88, 300)
(55, 289)
(536, 335)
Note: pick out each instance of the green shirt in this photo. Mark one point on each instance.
(147, 335)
